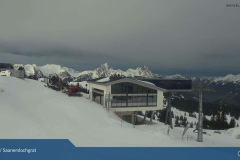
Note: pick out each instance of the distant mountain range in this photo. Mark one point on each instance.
(104, 71)
(227, 88)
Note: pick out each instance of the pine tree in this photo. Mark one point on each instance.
(232, 123)
(206, 123)
(191, 125)
(177, 124)
(184, 122)
(224, 123)
(162, 115)
(181, 118)
(185, 119)
(219, 121)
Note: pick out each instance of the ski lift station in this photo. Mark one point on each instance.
(124, 96)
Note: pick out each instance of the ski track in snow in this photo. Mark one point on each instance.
(31, 111)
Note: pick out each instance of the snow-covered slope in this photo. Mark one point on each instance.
(30, 110)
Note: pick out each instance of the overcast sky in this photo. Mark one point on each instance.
(192, 37)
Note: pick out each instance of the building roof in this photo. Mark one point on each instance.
(165, 85)
(105, 80)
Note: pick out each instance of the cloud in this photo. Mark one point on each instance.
(189, 37)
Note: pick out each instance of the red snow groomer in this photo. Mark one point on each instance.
(74, 91)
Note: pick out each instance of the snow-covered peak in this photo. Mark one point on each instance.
(145, 72)
(64, 72)
(139, 72)
(30, 69)
(228, 78)
(51, 69)
(103, 70)
(176, 76)
(71, 71)
(105, 65)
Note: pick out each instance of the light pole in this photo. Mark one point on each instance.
(200, 118)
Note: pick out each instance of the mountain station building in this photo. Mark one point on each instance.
(124, 96)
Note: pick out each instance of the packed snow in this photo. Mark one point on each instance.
(29, 110)
(147, 82)
(104, 79)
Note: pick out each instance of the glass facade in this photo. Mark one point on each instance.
(129, 88)
(133, 95)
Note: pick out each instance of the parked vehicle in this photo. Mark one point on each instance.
(74, 91)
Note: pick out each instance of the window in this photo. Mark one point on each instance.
(152, 100)
(130, 99)
(142, 101)
(133, 95)
(130, 88)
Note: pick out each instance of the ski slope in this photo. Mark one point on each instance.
(28, 110)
